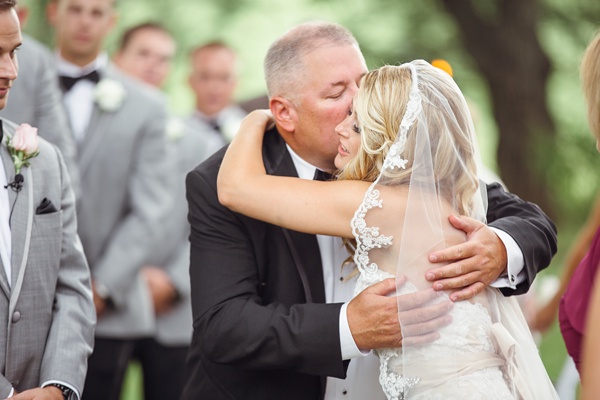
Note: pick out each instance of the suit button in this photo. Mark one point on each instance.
(16, 316)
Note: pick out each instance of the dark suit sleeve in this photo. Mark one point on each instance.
(234, 326)
(528, 225)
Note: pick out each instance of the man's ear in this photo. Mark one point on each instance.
(284, 113)
(113, 20)
(51, 11)
(23, 14)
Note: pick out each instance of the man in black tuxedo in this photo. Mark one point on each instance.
(272, 317)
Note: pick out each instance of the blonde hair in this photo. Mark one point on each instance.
(380, 105)
(590, 79)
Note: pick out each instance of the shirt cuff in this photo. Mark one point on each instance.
(349, 348)
(75, 392)
(515, 262)
(12, 392)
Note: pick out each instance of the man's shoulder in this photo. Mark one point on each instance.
(209, 168)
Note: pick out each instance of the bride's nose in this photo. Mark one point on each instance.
(339, 129)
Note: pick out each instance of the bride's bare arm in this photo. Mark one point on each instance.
(302, 205)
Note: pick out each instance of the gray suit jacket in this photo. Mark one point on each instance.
(125, 194)
(188, 148)
(35, 99)
(47, 313)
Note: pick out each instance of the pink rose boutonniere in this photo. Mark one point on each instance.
(22, 147)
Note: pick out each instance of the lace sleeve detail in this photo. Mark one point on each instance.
(367, 238)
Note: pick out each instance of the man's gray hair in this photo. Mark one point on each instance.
(284, 62)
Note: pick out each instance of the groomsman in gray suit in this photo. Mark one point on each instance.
(46, 307)
(145, 53)
(119, 126)
(35, 99)
(213, 79)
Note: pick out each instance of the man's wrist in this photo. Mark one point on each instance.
(103, 293)
(65, 391)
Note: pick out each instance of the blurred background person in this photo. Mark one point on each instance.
(35, 99)
(146, 53)
(213, 79)
(119, 126)
(573, 315)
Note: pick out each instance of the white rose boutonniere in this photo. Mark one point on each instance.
(22, 147)
(230, 128)
(109, 95)
(175, 129)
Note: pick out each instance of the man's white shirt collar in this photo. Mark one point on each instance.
(304, 169)
(67, 68)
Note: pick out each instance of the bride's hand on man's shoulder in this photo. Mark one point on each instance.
(263, 118)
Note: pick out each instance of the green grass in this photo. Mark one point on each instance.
(132, 387)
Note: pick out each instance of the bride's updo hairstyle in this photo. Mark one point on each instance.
(380, 106)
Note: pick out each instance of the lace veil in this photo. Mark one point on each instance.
(429, 173)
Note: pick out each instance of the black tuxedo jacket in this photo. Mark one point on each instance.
(261, 328)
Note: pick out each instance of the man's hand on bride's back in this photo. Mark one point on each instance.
(373, 316)
(472, 265)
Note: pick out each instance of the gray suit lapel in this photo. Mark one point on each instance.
(10, 172)
(96, 130)
(20, 228)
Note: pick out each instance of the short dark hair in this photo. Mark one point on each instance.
(131, 32)
(6, 5)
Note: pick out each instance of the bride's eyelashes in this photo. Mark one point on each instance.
(355, 127)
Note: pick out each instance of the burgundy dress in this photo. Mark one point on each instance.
(574, 303)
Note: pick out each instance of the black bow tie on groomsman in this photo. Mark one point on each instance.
(67, 82)
(322, 176)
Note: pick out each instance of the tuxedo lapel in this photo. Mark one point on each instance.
(303, 247)
(307, 258)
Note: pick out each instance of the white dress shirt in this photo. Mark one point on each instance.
(79, 101)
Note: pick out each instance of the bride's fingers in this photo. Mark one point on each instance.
(425, 313)
(416, 299)
(424, 328)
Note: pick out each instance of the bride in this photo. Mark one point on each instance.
(407, 161)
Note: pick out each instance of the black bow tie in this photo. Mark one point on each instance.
(322, 176)
(67, 82)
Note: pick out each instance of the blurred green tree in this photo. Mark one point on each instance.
(516, 60)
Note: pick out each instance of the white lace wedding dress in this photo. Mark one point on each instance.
(475, 357)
